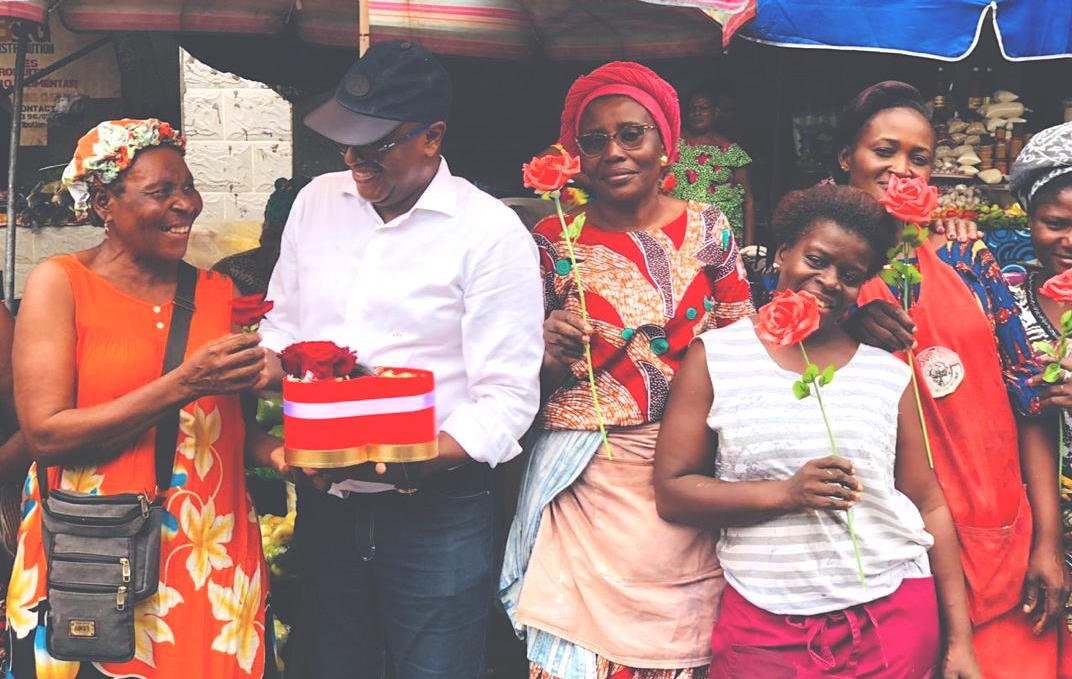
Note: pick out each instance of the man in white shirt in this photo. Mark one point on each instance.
(410, 266)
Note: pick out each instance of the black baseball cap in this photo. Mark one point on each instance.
(394, 82)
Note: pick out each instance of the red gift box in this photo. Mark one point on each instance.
(385, 417)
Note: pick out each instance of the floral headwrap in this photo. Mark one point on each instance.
(108, 149)
(1046, 157)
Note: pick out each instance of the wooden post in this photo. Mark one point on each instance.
(362, 27)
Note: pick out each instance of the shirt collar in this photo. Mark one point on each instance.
(439, 195)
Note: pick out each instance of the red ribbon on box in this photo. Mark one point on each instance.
(387, 417)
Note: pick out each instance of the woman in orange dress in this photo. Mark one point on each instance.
(89, 348)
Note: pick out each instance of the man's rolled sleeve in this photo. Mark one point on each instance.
(502, 344)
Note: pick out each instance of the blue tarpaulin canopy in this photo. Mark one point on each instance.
(938, 29)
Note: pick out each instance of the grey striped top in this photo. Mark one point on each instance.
(803, 563)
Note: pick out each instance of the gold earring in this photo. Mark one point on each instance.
(664, 159)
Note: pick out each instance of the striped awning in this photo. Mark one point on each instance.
(28, 10)
(502, 29)
(730, 14)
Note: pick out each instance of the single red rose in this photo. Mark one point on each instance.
(550, 172)
(248, 310)
(703, 158)
(691, 176)
(324, 360)
(910, 199)
(788, 318)
(165, 130)
(669, 182)
(1059, 287)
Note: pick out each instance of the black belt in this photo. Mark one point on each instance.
(470, 477)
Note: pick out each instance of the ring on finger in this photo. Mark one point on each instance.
(1066, 375)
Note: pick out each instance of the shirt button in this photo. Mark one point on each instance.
(659, 346)
(156, 309)
(160, 325)
(562, 267)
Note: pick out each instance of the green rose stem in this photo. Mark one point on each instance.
(801, 389)
(903, 275)
(571, 233)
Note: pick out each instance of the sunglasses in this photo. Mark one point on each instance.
(628, 137)
(369, 152)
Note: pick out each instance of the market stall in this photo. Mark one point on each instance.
(1004, 86)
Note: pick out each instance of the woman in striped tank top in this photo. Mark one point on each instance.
(750, 463)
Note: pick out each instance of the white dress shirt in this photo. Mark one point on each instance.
(452, 286)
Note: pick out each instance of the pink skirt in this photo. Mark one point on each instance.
(893, 637)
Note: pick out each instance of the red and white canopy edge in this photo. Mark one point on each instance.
(564, 30)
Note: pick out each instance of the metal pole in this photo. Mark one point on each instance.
(21, 38)
(363, 35)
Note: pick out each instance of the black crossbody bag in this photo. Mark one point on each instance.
(103, 551)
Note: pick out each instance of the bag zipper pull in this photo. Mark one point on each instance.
(121, 598)
(125, 564)
(144, 504)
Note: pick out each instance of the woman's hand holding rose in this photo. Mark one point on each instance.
(825, 483)
(226, 365)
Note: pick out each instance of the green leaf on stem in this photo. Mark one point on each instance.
(913, 276)
(1051, 373)
(1045, 348)
(893, 253)
(890, 276)
(1066, 323)
(573, 231)
(810, 373)
(828, 376)
(801, 390)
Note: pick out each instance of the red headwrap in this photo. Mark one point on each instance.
(633, 80)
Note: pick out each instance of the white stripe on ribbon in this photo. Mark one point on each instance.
(376, 406)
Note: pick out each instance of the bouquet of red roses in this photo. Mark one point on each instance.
(308, 361)
(339, 413)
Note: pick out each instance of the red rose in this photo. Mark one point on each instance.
(165, 130)
(669, 182)
(550, 172)
(1059, 287)
(910, 199)
(788, 318)
(248, 310)
(324, 360)
(691, 176)
(703, 158)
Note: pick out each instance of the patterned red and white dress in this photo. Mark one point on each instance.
(648, 293)
(588, 597)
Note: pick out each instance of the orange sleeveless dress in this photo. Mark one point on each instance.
(207, 618)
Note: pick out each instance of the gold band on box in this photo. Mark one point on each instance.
(348, 457)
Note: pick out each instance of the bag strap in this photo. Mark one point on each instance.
(167, 429)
